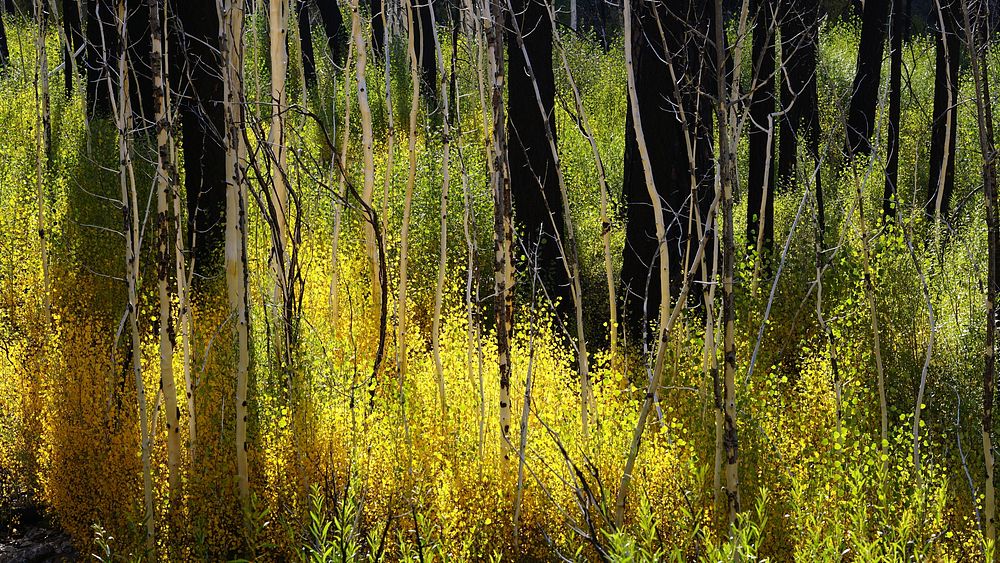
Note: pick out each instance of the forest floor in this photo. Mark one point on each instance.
(30, 537)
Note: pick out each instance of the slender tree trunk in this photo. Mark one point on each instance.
(231, 42)
(367, 148)
(977, 37)
(448, 84)
(422, 23)
(404, 236)
(278, 194)
(503, 231)
(306, 43)
(760, 190)
(890, 201)
(165, 223)
(130, 204)
(944, 130)
(865, 92)
(728, 140)
(379, 26)
(43, 139)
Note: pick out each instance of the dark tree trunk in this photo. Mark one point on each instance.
(378, 27)
(102, 57)
(73, 28)
(762, 135)
(799, 29)
(140, 70)
(336, 34)
(537, 201)
(864, 96)
(943, 137)
(424, 44)
(306, 43)
(890, 199)
(199, 82)
(4, 50)
(664, 130)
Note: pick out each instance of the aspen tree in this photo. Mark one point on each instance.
(977, 40)
(278, 26)
(43, 132)
(727, 108)
(503, 229)
(164, 194)
(404, 236)
(366, 141)
(130, 204)
(447, 83)
(231, 42)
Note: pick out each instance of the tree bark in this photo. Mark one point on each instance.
(760, 189)
(306, 43)
(538, 212)
(130, 205)
(73, 55)
(799, 28)
(503, 229)
(333, 25)
(890, 200)
(203, 122)
(165, 192)
(231, 49)
(944, 131)
(679, 112)
(865, 92)
(4, 49)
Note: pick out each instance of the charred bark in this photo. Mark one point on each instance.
(864, 95)
(890, 198)
(200, 104)
(947, 48)
(760, 189)
(673, 101)
(538, 213)
(336, 33)
(306, 43)
(799, 29)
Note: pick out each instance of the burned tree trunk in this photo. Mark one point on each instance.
(202, 121)
(799, 28)
(864, 95)
(941, 180)
(73, 55)
(760, 190)
(336, 33)
(306, 43)
(102, 56)
(674, 111)
(889, 200)
(534, 187)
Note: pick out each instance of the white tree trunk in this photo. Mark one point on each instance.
(231, 41)
(164, 194)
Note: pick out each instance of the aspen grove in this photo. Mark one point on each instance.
(498, 280)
